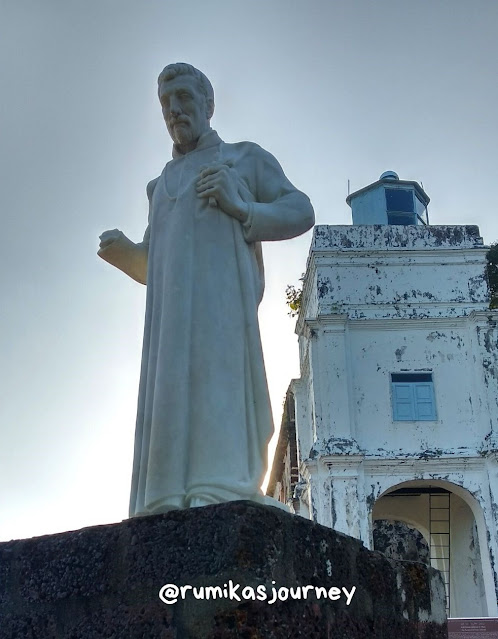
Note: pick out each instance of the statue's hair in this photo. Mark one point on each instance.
(178, 68)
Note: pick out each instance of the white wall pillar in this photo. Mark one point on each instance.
(489, 549)
(347, 496)
(331, 377)
(304, 430)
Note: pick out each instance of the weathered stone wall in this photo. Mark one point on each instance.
(384, 299)
(398, 540)
(379, 272)
(387, 237)
(103, 582)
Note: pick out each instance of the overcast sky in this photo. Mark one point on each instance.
(335, 89)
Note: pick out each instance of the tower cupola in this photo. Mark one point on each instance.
(390, 201)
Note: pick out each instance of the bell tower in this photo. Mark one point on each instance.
(390, 201)
(395, 414)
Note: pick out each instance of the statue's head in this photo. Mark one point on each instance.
(187, 100)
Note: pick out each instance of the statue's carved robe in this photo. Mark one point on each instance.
(204, 418)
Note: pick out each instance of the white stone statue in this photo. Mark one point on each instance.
(204, 418)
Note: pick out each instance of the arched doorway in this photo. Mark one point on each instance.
(441, 513)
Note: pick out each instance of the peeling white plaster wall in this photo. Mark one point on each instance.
(386, 299)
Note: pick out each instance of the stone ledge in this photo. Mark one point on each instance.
(391, 237)
(103, 582)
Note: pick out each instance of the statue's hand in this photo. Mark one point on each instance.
(124, 254)
(109, 237)
(218, 182)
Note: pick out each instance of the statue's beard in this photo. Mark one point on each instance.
(182, 134)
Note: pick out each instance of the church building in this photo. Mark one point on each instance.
(390, 434)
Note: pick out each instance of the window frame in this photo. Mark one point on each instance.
(412, 217)
(413, 402)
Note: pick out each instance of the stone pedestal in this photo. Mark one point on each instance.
(104, 581)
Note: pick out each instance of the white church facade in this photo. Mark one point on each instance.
(394, 420)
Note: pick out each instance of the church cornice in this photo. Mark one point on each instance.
(339, 322)
(437, 465)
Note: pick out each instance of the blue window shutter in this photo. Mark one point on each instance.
(403, 402)
(424, 401)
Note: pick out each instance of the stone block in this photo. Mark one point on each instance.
(103, 582)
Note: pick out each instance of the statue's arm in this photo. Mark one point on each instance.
(280, 210)
(121, 252)
(124, 254)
